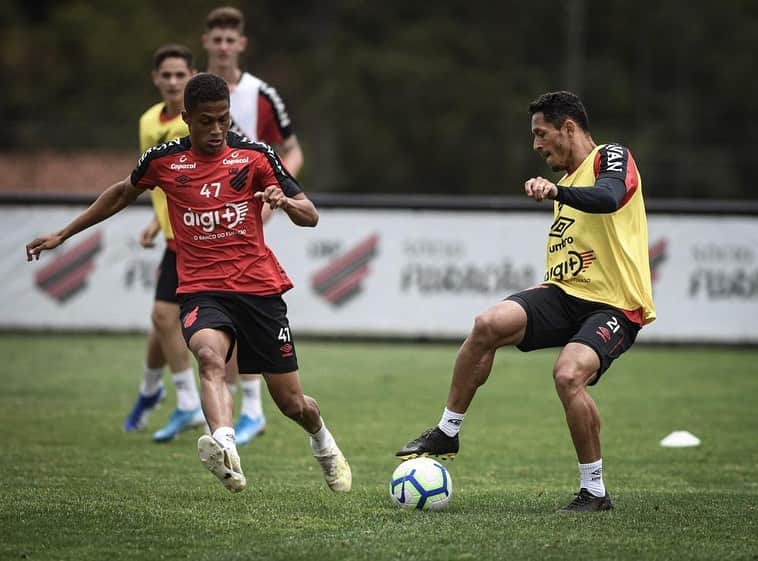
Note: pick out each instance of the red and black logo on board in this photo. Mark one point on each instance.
(341, 279)
(67, 274)
(657, 254)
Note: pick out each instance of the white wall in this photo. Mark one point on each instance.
(384, 272)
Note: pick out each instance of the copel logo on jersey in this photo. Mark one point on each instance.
(235, 159)
(232, 215)
(183, 163)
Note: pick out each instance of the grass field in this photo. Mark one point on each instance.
(74, 486)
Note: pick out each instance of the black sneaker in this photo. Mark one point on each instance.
(432, 442)
(587, 502)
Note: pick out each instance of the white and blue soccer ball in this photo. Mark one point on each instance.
(421, 483)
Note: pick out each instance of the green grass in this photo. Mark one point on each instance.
(74, 486)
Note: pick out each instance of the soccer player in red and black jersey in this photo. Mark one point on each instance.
(230, 283)
(259, 113)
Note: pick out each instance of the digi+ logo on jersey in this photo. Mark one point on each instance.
(228, 218)
(575, 264)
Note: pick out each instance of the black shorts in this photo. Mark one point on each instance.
(555, 318)
(257, 324)
(168, 280)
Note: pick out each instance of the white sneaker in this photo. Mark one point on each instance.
(336, 469)
(224, 463)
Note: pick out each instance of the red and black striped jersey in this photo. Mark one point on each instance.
(215, 217)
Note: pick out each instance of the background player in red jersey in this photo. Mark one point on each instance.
(259, 113)
(172, 69)
(229, 281)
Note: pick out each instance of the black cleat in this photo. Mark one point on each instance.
(432, 442)
(587, 502)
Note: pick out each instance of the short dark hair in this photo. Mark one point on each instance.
(225, 17)
(203, 88)
(557, 106)
(172, 50)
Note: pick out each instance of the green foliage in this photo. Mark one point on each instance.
(407, 96)
(74, 486)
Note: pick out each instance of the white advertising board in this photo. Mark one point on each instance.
(384, 272)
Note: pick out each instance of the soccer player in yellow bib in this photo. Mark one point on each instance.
(595, 297)
(172, 69)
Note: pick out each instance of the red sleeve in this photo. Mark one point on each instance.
(274, 124)
(268, 129)
(263, 174)
(146, 175)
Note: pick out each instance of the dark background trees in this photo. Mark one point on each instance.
(409, 96)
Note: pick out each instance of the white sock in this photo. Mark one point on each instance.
(187, 397)
(225, 437)
(151, 381)
(251, 397)
(322, 439)
(451, 422)
(591, 478)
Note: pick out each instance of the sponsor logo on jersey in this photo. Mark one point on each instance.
(234, 158)
(183, 163)
(559, 227)
(572, 266)
(228, 218)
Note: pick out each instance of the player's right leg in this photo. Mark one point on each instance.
(188, 412)
(210, 335)
(503, 324)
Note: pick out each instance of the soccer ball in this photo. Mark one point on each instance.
(422, 484)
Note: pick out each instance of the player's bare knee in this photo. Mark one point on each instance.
(484, 333)
(294, 408)
(163, 320)
(209, 361)
(569, 377)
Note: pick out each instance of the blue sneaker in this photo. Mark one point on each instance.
(248, 428)
(137, 417)
(180, 420)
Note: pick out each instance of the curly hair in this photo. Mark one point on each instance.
(203, 88)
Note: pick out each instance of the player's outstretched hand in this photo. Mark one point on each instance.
(539, 189)
(38, 245)
(274, 196)
(147, 238)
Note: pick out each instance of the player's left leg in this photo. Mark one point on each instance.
(603, 337)
(151, 390)
(218, 452)
(287, 393)
(576, 367)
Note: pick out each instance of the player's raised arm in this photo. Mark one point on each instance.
(114, 199)
(299, 208)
